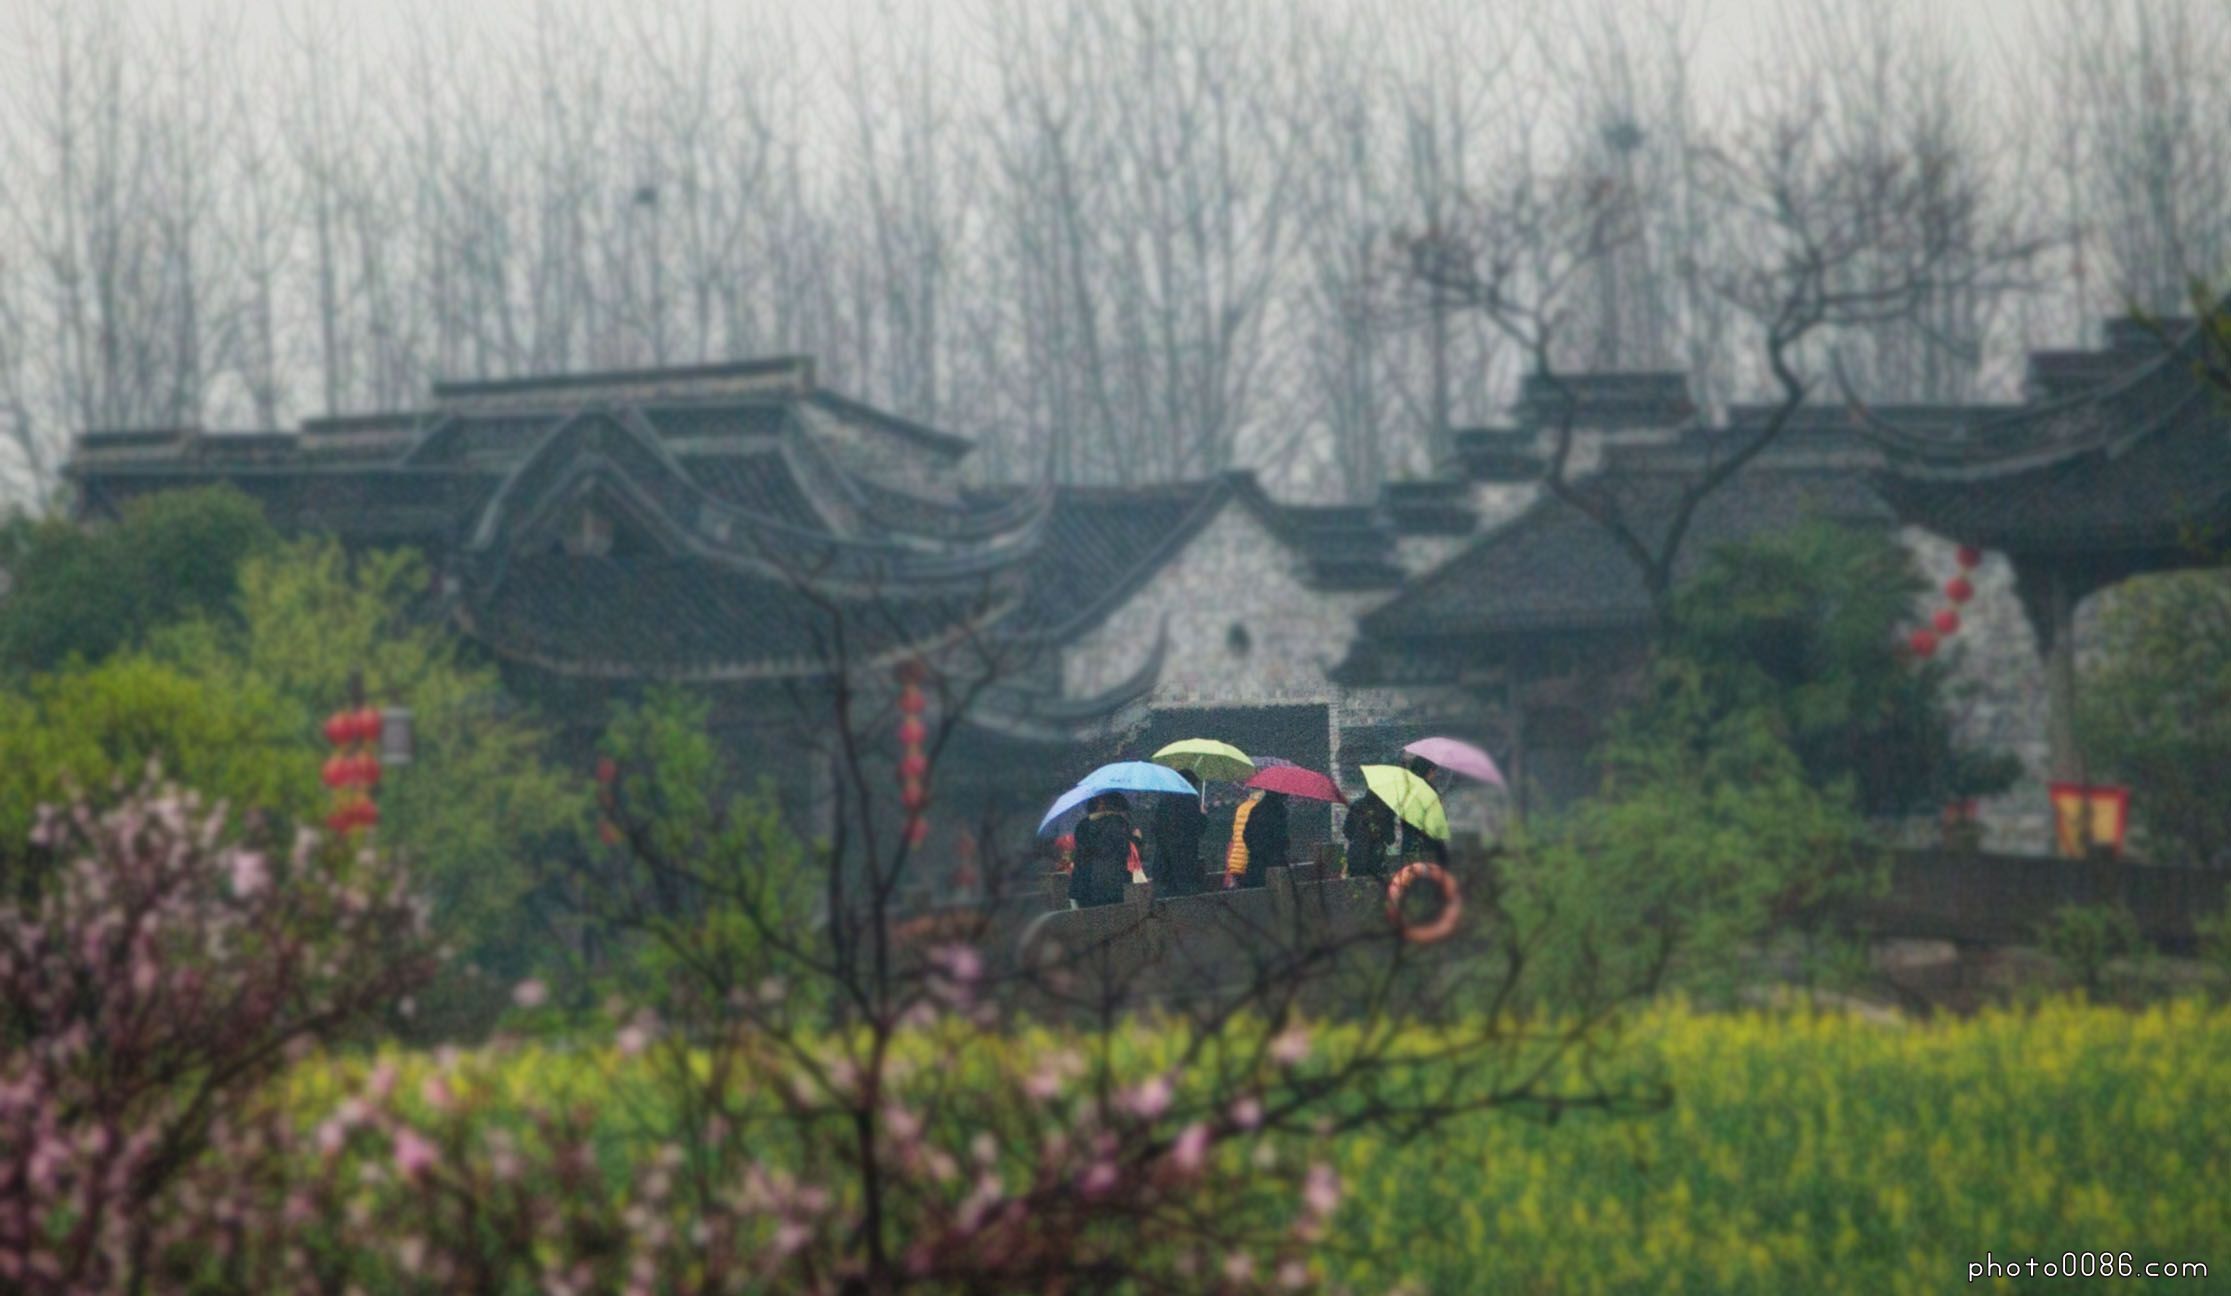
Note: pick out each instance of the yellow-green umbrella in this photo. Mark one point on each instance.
(1212, 760)
(1413, 800)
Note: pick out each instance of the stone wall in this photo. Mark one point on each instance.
(1998, 683)
(1236, 572)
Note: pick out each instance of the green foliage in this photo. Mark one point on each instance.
(96, 729)
(84, 594)
(706, 882)
(1801, 629)
(2155, 709)
(2213, 931)
(1707, 833)
(2084, 939)
(467, 814)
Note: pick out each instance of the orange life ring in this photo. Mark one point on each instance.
(1452, 905)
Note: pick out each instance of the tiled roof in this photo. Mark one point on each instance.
(378, 505)
(1554, 568)
(2161, 491)
(2134, 461)
(679, 617)
(1101, 544)
(761, 482)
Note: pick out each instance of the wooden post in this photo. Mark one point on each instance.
(2060, 683)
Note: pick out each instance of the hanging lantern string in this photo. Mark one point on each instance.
(914, 765)
(353, 770)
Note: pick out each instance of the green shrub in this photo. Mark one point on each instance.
(2084, 939)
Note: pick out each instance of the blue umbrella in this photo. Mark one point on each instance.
(1136, 776)
(1066, 810)
(1123, 776)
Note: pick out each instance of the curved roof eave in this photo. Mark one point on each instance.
(1976, 456)
(521, 493)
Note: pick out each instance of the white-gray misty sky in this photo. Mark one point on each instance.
(243, 212)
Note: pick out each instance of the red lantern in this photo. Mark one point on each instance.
(913, 765)
(912, 731)
(367, 814)
(910, 700)
(368, 725)
(917, 831)
(1923, 643)
(368, 770)
(1946, 621)
(1959, 589)
(339, 821)
(914, 796)
(1969, 557)
(336, 771)
(606, 770)
(338, 727)
(608, 832)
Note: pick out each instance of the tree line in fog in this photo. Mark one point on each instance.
(1113, 240)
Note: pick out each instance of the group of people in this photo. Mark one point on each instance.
(1109, 849)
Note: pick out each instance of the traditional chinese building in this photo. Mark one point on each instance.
(720, 526)
(744, 531)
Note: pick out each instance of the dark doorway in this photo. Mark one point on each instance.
(1301, 734)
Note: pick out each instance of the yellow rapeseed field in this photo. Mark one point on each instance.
(1827, 1153)
(1801, 1153)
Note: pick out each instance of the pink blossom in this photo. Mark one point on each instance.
(1042, 1085)
(1290, 1047)
(1150, 1099)
(1247, 1113)
(1190, 1151)
(332, 1135)
(633, 1039)
(960, 962)
(250, 873)
(380, 1084)
(1320, 1190)
(1239, 1266)
(791, 1237)
(1098, 1180)
(434, 1092)
(1293, 1275)
(415, 1155)
(530, 994)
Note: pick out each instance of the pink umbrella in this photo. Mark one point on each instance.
(1293, 780)
(1457, 757)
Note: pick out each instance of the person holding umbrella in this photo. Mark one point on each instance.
(1259, 839)
(1100, 796)
(1105, 841)
(1450, 766)
(1178, 826)
(1369, 826)
(1396, 796)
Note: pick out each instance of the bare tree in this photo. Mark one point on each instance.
(1831, 236)
(2138, 91)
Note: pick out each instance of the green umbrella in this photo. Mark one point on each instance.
(1213, 761)
(1411, 798)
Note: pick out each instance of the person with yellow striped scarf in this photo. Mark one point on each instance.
(1259, 840)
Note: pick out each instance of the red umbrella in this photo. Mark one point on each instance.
(1293, 780)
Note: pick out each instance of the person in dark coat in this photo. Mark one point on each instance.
(1104, 843)
(1178, 825)
(1369, 830)
(1265, 838)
